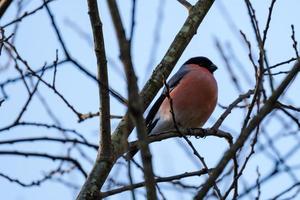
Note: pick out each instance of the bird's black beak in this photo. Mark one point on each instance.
(212, 68)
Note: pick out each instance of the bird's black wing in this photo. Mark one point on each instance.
(171, 84)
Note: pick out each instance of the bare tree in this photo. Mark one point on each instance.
(265, 108)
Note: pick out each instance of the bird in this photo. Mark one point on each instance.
(193, 92)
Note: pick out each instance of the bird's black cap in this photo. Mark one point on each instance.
(203, 62)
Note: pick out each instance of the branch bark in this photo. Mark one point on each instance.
(90, 190)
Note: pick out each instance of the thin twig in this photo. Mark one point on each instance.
(48, 139)
(55, 68)
(294, 41)
(46, 156)
(89, 115)
(27, 14)
(230, 108)
(157, 180)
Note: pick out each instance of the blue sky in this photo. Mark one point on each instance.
(37, 43)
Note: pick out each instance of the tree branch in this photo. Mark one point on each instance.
(90, 189)
(135, 106)
(4, 4)
(197, 132)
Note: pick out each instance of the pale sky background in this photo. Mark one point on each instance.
(37, 43)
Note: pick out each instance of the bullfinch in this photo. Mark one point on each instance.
(193, 91)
